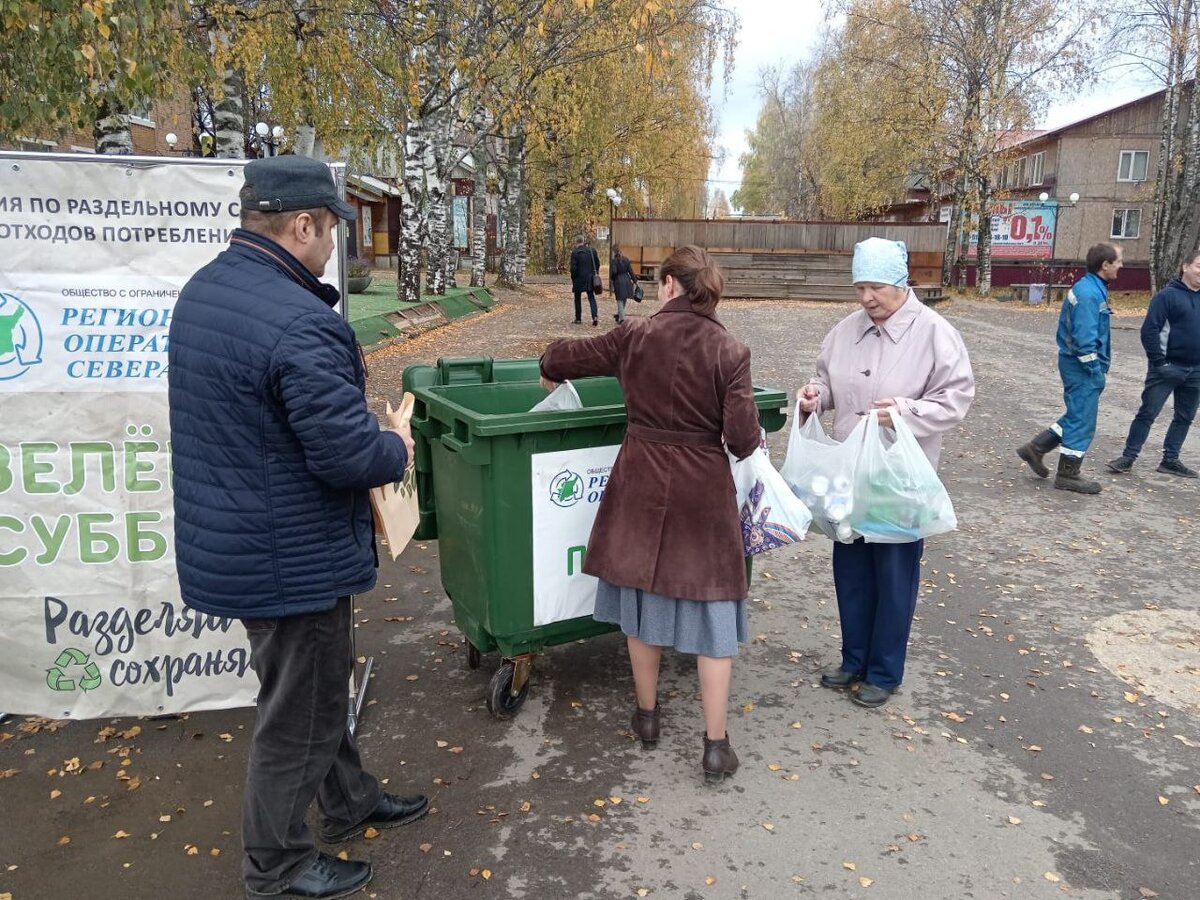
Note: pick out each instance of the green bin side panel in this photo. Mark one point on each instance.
(485, 521)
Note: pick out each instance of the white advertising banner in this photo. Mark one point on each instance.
(93, 254)
(567, 487)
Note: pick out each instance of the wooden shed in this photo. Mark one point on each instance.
(781, 259)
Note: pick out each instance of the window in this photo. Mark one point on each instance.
(1002, 178)
(1036, 164)
(1020, 167)
(1133, 165)
(1127, 223)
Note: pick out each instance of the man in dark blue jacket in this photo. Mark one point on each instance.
(273, 453)
(1084, 355)
(1171, 336)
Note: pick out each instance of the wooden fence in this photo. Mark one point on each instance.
(769, 259)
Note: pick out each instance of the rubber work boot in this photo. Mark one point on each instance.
(1033, 452)
(645, 726)
(1067, 478)
(719, 760)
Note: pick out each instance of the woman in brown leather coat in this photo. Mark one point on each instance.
(667, 544)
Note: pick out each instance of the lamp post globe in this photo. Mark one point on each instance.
(1074, 198)
(1043, 196)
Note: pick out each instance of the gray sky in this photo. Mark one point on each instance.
(785, 31)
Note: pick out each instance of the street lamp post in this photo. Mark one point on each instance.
(268, 138)
(1045, 198)
(614, 200)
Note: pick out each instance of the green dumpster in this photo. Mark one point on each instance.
(510, 496)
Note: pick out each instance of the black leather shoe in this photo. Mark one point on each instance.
(389, 812)
(325, 879)
(837, 678)
(871, 695)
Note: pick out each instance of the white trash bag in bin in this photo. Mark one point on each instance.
(820, 471)
(561, 399)
(770, 514)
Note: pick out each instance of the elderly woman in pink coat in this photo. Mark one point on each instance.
(899, 357)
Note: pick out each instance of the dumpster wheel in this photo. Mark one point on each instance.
(502, 701)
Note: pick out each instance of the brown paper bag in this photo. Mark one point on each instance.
(395, 505)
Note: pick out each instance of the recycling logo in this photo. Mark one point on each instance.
(20, 337)
(63, 677)
(566, 489)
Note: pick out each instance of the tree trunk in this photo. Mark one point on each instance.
(436, 147)
(479, 223)
(111, 130)
(549, 233)
(229, 116)
(954, 232)
(523, 218)
(452, 250)
(1164, 183)
(305, 140)
(408, 286)
(983, 254)
(511, 268)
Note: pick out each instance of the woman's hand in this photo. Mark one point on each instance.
(807, 399)
(882, 407)
(548, 384)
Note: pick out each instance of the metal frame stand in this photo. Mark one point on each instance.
(358, 687)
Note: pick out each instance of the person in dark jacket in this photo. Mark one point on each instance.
(585, 264)
(273, 450)
(1171, 337)
(620, 277)
(667, 542)
(1084, 355)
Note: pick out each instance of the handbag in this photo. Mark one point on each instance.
(597, 281)
(394, 505)
(638, 293)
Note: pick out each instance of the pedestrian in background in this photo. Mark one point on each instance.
(899, 357)
(1084, 355)
(1171, 338)
(621, 281)
(273, 450)
(667, 541)
(585, 266)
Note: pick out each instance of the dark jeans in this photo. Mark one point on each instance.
(301, 748)
(876, 588)
(1162, 382)
(591, 302)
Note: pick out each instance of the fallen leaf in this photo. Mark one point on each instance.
(1147, 893)
(643, 799)
(193, 851)
(748, 707)
(865, 881)
(1034, 748)
(697, 846)
(486, 873)
(425, 848)
(164, 818)
(63, 841)
(774, 767)
(600, 803)
(1162, 801)
(797, 725)
(343, 855)
(1013, 820)
(526, 806)
(55, 794)
(594, 817)
(207, 804)
(411, 677)
(121, 834)
(849, 865)
(1131, 697)
(768, 826)
(443, 744)
(1086, 730)
(455, 750)
(709, 880)
(371, 833)
(615, 801)
(132, 732)
(535, 774)
(215, 851)
(226, 737)
(643, 892)
(1052, 877)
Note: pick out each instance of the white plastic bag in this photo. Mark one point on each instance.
(820, 471)
(898, 496)
(562, 398)
(771, 515)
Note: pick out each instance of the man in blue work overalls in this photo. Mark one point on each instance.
(1084, 354)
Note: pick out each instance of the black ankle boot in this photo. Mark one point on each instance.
(719, 760)
(645, 726)
(1033, 452)
(1067, 477)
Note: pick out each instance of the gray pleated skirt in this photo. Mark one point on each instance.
(701, 627)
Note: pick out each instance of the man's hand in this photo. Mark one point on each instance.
(548, 384)
(807, 399)
(399, 420)
(882, 406)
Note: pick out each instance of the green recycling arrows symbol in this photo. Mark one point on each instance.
(57, 678)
